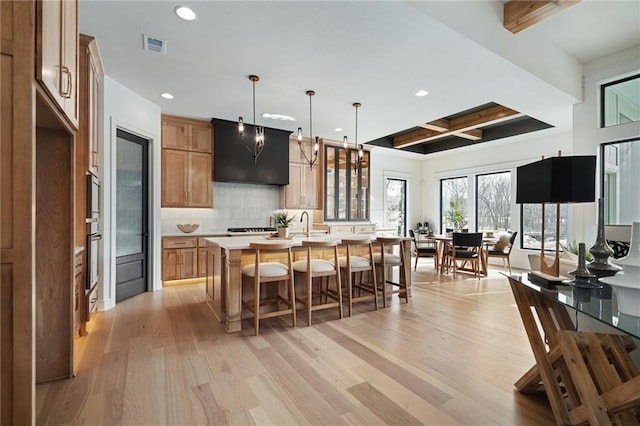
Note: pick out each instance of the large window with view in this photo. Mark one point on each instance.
(454, 194)
(621, 101)
(493, 202)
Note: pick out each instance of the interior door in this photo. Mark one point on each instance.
(131, 214)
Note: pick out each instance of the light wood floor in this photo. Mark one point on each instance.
(450, 356)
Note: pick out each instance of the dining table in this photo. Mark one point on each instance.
(442, 240)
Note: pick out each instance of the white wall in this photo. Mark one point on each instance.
(125, 109)
(389, 163)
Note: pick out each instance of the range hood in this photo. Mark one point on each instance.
(232, 161)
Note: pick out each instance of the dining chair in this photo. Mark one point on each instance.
(273, 273)
(315, 267)
(502, 249)
(359, 272)
(466, 247)
(424, 248)
(385, 261)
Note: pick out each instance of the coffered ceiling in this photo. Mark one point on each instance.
(484, 81)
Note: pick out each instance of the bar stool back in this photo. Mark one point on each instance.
(385, 261)
(270, 272)
(354, 269)
(318, 267)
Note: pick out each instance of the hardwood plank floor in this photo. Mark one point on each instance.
(450, 356)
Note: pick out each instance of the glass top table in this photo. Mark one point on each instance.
(600, 304)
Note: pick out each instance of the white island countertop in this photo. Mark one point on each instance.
(243, 242)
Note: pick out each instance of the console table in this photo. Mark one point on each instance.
(588, 377)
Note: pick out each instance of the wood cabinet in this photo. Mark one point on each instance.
(303, 189)
(179, 258)
(90, 75)
(187, 175)
(78, 293)
(346, 188)
(186, 134)
(57, 53)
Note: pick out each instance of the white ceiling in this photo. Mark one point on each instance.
(376, 53)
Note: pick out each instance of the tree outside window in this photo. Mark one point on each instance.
(493, 202)
(532, 226)
(453, 202)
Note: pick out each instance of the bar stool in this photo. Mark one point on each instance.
(311, 268)
(354, 268)
(270, 272)
(385, 261)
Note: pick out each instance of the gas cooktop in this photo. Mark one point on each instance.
(252, 229)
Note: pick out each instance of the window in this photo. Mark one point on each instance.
(620, 101)
(395, 199)
(493, 202)
(453, 203)
(620, 175)
(531, 226)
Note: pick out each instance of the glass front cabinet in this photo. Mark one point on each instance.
(346, 184)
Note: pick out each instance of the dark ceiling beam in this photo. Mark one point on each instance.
(462, 124)
(521, 14)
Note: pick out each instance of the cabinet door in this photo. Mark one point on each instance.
(310, 187)
(175, 166)
(293, 191)
(200, 191)
(174, 134)
(201, 138)
(202, 261)
(93, 94)
(170, 261)
(69, 61)
(188, 263)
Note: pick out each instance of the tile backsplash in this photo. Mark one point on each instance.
(235, 205)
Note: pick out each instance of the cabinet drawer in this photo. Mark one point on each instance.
(341, 229)
(364, 229)
(179, 242)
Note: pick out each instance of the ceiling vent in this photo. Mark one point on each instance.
(154, 44)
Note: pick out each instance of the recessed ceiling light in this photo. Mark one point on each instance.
(167, 95)
(422, 93)
(185, 13)
(280, 117)
(338, 129)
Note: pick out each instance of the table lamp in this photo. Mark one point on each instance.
(555, 180)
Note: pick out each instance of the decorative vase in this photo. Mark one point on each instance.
(583, 277)
(283, 232)
(601, 251)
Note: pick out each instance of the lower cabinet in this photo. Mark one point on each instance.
(78, 294)
(179, 258)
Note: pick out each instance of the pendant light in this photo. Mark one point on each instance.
(355, 164)
(314, 142)
(258, 143)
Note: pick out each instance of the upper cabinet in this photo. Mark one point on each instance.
(303, 191)
(187, 164)
(346, 184)
(57, 53)
(91, 77)
(186, 134)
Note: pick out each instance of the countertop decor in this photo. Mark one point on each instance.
(187, 227)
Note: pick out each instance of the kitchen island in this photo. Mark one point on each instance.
(227, 256)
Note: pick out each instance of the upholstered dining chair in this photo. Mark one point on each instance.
(424, 249)
(263, 272)
(502, 249)
(466, 247)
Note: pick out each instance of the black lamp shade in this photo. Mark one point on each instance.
(557, 180)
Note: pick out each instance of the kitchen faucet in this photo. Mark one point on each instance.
(307, 233)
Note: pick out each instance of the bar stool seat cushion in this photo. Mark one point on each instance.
(356, 262)
(317, 265)
(267, 269)
(389, 259)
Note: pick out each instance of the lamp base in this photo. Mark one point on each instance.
(545, 280)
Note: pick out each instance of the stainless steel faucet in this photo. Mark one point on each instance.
(307, 232)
